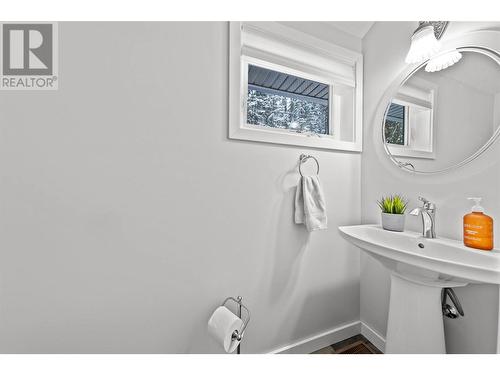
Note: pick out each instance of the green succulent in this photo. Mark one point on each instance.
(394, 204)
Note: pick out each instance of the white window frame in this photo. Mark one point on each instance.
(407, 150)
(269, 57)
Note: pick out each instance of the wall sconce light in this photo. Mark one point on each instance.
(443, 61)
(425, 41)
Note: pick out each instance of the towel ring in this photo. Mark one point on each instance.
(303, 158)
(405, 165)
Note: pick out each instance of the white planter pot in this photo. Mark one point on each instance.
(394, 222)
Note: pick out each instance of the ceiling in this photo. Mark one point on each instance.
(281, 82)
(355, 28)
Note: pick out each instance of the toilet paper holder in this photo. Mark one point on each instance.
(240, 306)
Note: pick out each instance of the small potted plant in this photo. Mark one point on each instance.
(393, 212)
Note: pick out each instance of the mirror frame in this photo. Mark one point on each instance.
(486, 42)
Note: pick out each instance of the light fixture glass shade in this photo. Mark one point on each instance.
(443, 61)
(423, 45)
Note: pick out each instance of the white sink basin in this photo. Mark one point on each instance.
(438, 258)
(420, 268)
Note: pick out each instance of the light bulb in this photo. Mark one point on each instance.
(443, 61)
(423, 45)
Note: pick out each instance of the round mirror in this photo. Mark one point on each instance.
(444, 119)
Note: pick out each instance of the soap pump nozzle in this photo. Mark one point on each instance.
(477, 204)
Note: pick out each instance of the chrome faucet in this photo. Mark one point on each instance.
(428, 212)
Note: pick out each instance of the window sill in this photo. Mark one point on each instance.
(277, 136)
(409, 153)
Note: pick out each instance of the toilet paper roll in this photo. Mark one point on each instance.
(221, 326)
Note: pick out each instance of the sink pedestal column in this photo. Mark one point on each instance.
(498, 324)
(415, 323)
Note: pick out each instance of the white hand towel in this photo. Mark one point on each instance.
(310, 208)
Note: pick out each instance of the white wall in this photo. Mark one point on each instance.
(384, 47)
(496, 114)
(328, 32)
(127, 216)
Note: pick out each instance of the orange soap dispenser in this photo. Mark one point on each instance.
(478, 228)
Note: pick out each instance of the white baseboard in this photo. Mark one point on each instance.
(333, 336)
(373, 336)
(321, 340)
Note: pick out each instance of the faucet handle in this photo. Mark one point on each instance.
(428, 205)
(423, 200)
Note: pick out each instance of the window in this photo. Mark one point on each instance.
(395, 124)
(409, 122)
(284, 101)
(287, 87)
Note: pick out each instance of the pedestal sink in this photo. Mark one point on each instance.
(420, 268)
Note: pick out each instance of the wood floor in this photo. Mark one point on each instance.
(354, 345)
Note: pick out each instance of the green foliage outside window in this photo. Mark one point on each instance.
(394, 128)
(286, 112)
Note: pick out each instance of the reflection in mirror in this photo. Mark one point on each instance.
(436, 120)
